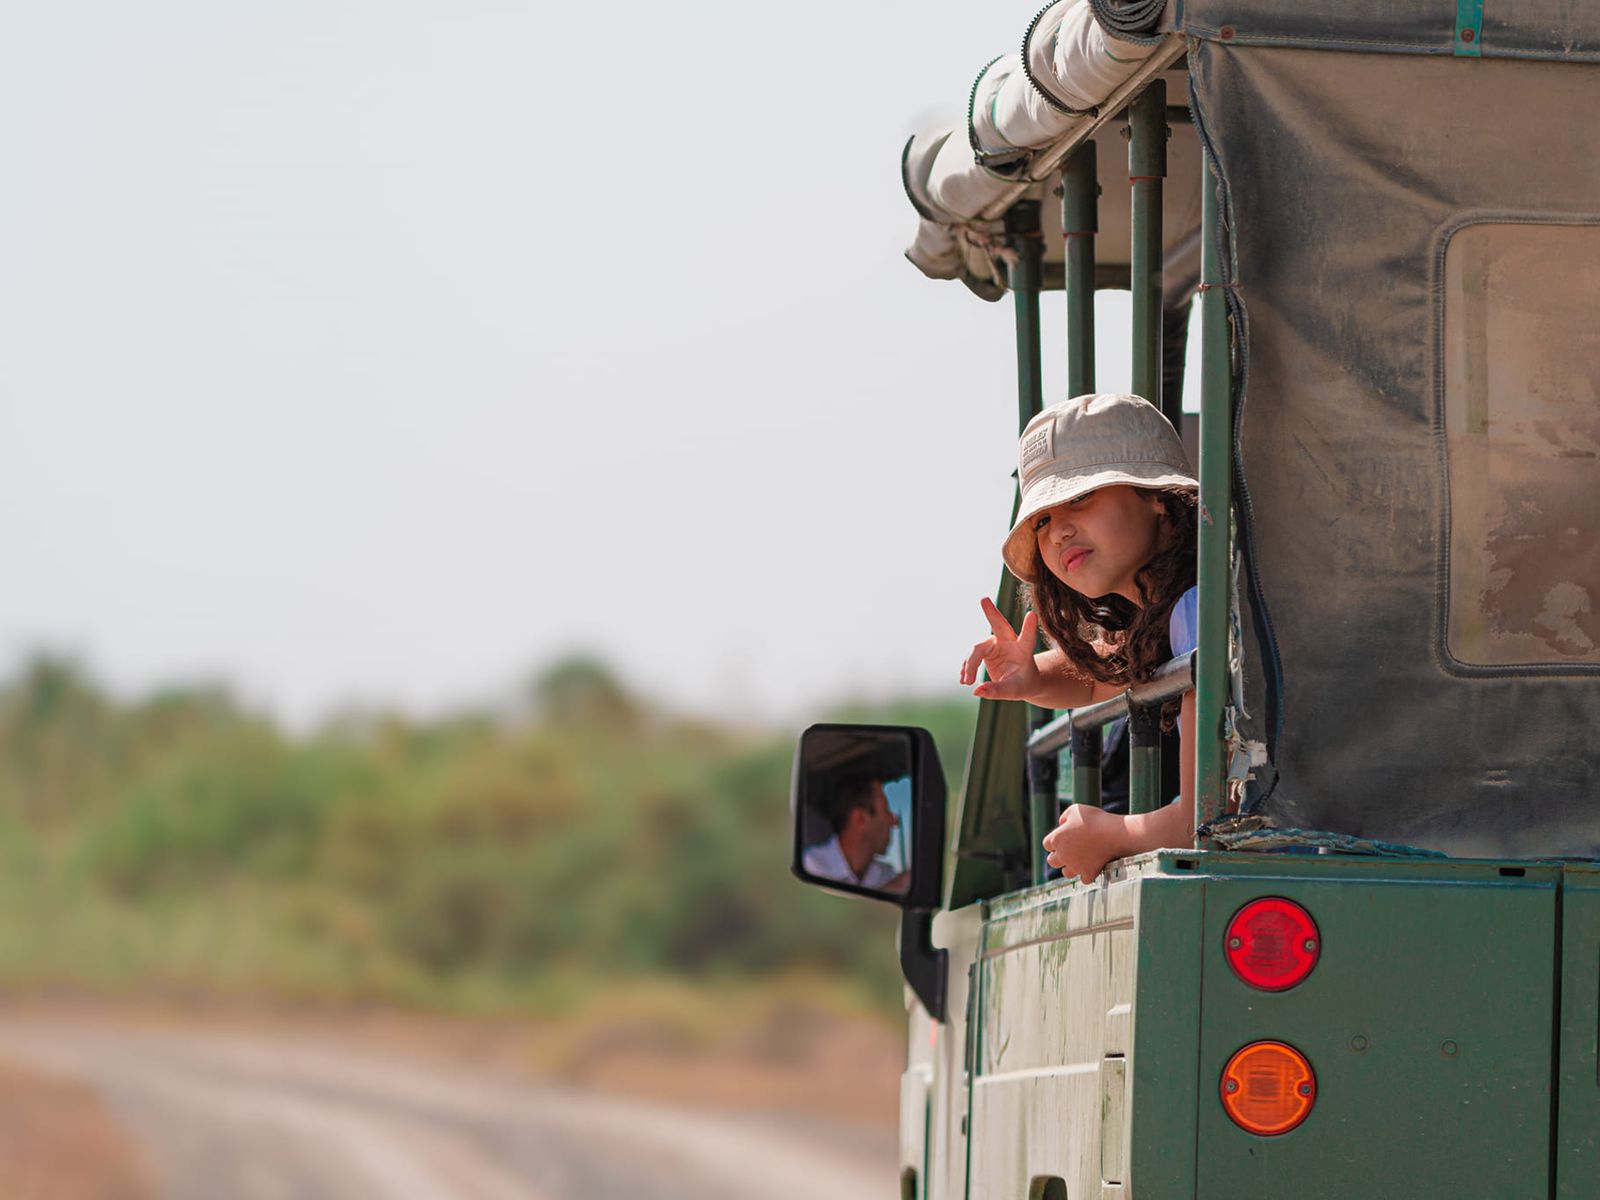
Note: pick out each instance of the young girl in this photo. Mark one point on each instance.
(1105, 544)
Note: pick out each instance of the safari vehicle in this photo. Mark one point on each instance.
(1376, 970)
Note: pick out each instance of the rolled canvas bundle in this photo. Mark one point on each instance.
(1130, 20)
(1070, 62)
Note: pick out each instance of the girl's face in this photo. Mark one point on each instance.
(1097, 543)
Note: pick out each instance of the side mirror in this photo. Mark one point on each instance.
(869, 813)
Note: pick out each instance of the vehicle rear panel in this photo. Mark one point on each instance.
(1104, 1017)
(1428, 1021)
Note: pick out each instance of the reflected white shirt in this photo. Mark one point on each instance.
(827, 860)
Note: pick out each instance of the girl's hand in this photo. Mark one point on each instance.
(1084, 840)
(1007, 657)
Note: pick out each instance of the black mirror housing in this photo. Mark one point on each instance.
(855, 790)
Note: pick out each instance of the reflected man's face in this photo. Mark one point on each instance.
(879, 821)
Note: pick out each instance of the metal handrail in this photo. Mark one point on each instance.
(1172, 679)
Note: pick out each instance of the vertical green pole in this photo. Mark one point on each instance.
(1086, 748)
(1144, 759)
(1147, 170)
(1027, 241)
(1147, 167)
(1216, 432)
(1080, 221)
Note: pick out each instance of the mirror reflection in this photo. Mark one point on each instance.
(855, 809)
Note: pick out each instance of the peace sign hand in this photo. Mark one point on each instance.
(1007, 657)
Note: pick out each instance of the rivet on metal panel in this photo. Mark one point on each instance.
(1448, 1048)
(1234, 943)
(1310, 944)
(1226, 33)
(1358, 1043)
(1469, 29)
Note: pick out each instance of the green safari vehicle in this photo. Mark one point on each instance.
(1376, 969)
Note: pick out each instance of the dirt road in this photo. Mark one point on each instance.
(269, 1118)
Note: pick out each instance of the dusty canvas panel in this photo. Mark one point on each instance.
(1349, 179)
(1542, 29)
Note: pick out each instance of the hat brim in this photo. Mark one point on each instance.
(1051, 490)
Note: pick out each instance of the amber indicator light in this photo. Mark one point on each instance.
(1268, 1088)
(1272, 943)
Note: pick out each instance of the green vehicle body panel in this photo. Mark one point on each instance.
(1100, 1019)
(1166, 1079)
(1577, 1149)
(1065, 956)
(1448, 975)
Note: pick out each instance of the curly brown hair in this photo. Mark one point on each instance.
(1108, 638)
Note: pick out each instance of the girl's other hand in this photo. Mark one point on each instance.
(1007, 656)
(1084, 840)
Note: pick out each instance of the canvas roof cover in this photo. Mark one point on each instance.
(1413, 258)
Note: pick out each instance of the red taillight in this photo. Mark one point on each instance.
(1272, 943)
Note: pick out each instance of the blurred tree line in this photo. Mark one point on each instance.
(487, 861)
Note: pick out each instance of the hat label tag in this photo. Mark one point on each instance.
(1040, 445)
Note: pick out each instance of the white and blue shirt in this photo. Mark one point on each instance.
(1183, 628)
(827, 860)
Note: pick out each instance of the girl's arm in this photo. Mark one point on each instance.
(1087, 838)
(1062, 687)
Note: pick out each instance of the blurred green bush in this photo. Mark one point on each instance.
(482, 862)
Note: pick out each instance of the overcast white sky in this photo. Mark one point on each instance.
(378, 353)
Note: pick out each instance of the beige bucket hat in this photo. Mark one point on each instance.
(1093, 441)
